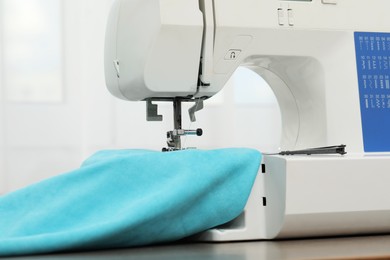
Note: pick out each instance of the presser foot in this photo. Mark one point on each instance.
(174, 139)
(169, 149)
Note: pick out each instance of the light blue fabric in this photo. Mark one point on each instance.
(128, 198)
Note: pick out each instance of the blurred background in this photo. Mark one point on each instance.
(55, 110)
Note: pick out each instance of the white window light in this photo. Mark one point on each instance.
(32, 50)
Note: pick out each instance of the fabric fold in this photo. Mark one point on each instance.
(128, 198)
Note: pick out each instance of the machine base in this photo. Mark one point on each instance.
(313, 196)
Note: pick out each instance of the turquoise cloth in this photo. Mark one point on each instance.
(128, 198)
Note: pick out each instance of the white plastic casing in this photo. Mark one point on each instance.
(153, 48)
(303, 196)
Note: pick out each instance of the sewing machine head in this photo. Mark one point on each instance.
(309, 52)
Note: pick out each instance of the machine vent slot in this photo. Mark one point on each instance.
(263, 168)
(264, 201)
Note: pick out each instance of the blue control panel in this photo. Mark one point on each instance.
(373, 67)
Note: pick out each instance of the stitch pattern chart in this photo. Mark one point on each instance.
(373, 67)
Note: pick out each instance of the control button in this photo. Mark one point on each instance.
(232, 54)
(332, 2)
(281, 17)
(290, 15)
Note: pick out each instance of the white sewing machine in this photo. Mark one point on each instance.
(328, 63)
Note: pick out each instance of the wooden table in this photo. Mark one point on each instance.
(368, 247)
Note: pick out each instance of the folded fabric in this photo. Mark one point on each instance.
(128, 198)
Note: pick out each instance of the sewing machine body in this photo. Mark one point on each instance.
(327, 62)
(313, 197)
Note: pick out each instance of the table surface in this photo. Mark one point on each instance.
(368, 247)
